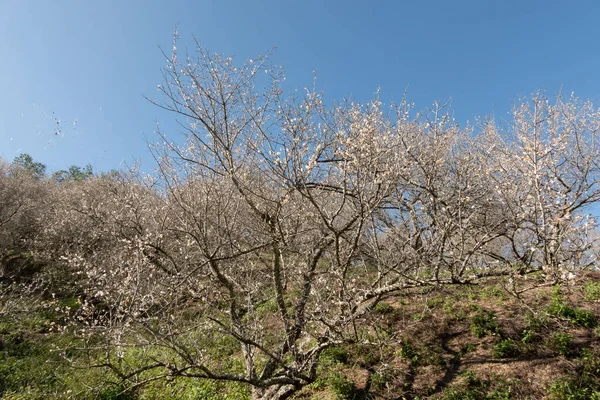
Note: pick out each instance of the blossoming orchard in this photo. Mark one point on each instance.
(278, 222)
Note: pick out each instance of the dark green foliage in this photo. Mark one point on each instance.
(369, 354)
(18, 266)
(25, 163)
(73, 174)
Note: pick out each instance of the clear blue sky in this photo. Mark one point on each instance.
(87, 64)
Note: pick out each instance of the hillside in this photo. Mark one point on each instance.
(467, 342)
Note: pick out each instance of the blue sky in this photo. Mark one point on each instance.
(73, 73)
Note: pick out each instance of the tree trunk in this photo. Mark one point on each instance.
(277, 392)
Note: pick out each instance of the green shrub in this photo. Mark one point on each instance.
(379, 381)
(584, 384)
(408, 352)
(343, 388)
(191, 389)
(576, 316)
(584, 318)
(535, 322)
(115, 392)
(432, 355)
(422, 316)
(434, 302)
(592, 291)
(532, 333)
(493, 292)
(569, 389)
(562, 342)
(467, 348)
(505, 349)
(484, 323)
(383, 308)
(475, 388)
(458, 313)
(529, 336)
(334, 355)
(472, 294)
(449, 307)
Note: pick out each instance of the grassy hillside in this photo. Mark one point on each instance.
(467, 342)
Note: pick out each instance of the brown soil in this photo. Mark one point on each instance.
(423, 346)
